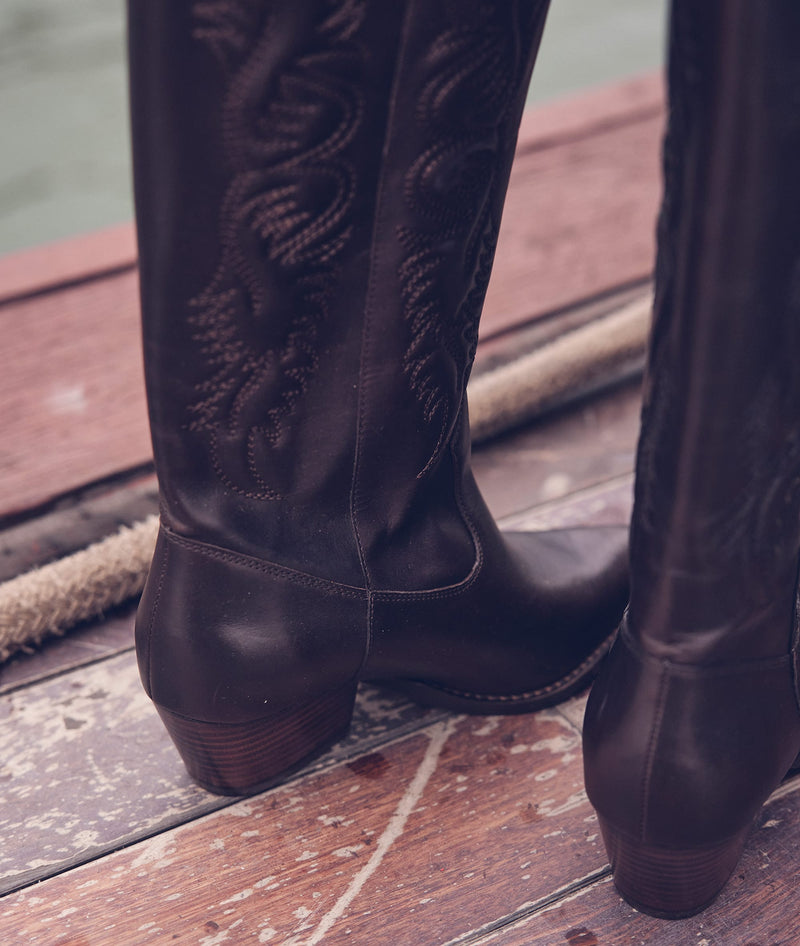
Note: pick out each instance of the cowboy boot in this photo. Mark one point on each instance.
(694, 719)
(319, 186)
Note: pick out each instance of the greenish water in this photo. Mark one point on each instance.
(64, 165)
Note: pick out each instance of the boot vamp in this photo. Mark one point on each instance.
(533, 614)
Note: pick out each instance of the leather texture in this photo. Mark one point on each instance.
(694, 719)
(319, 186)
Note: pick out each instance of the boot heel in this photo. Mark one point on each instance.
(243, 758)
(669, 883)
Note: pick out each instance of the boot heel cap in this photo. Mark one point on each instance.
(669, 883)
(244, 758)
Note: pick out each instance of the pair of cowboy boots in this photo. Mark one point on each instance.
(319, 186)
(694, 718)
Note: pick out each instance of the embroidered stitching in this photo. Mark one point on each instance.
(464, 109)
(285, 220)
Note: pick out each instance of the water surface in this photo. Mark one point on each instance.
(64, 165)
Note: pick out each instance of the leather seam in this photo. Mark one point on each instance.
(378, 226)
(269, 568)
(652, 745)
(795, 647)
(153, 614)
(371, 289)
(462, 587)
(458, 468)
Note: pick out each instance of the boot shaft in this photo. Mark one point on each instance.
(319, 186)
(716, 526)
(693, 720)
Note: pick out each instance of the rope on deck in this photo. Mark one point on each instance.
(54, 598)
(50, 600)
(572, 363)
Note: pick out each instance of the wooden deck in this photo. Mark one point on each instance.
(422, 827)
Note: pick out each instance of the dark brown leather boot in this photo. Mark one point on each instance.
(694, 718)
(319, 186)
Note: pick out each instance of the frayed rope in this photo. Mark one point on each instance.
(50, 600)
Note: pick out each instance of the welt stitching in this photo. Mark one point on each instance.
(556, 687)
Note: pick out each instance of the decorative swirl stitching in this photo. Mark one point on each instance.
(474, 72)
(285, 221)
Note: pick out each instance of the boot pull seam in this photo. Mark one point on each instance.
(378, 226)
(154, 613)
(270, 568)
(461, 587)
(795, 645)
(652, 745)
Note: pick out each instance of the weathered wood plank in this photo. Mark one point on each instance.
(603, 107)
(579, 221)
(85, 519)
(82, 646)
(67, 261)
(560, 455)
(758, 907)
(607, 504)
(86, 766)
(71, 391)
(417, 843)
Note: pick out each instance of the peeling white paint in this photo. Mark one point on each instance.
(67, 399)
(352, 851)
(238, 897)
(555, 486)
(155, 853)
(550, 809)
(489, 726)
(438, 736)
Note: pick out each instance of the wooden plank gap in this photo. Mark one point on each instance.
(615, 493)
(601, 126)
(550, 323)
(76, 495)
(567, 116)
(484, 934)
(56, 266)
(84, 280)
